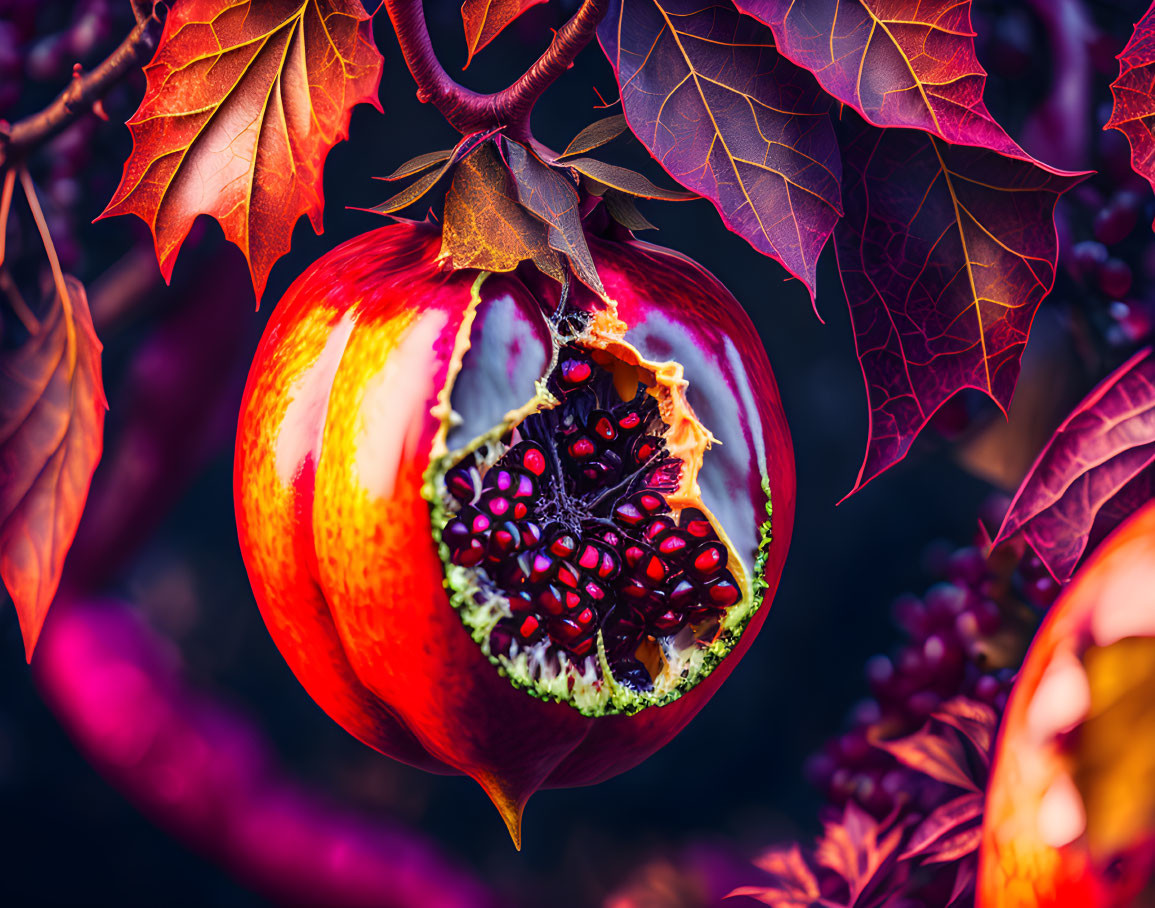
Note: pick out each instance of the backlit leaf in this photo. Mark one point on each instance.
(51, 432)
(484, 20)
(940, 756)
(905, 63)
(1134, 93)
(793, 884)
(421, 186)
(596, 135)
(244, 101)
(625, 180)
(945, 253)
(485, 226)
(624, 210)
(1104, 448)
(419, 163)
(730, 119)
(943, 821)
(977, 721)
(858, 848)
(547, 194)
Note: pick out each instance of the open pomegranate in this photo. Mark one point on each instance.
(504, 531)
(1070, 809)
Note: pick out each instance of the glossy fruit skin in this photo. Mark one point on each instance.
(335, 431)
(1110, 598)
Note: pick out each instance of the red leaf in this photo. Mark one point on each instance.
(1105, 448)
(907, 63)
(244, 101)
(1134, 93)
(940, 756)
(51, 432)
(955, 847)
(945, 254)
(857, 849)
(484, 20)
(977, 721)
(943, 821)
(794, 884)
(727, 117)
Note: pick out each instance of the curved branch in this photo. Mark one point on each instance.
(468, 111)
(82, 94)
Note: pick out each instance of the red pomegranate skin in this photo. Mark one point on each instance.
(341, 411)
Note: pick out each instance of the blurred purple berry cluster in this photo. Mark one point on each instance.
(905, 783)
(41, 43)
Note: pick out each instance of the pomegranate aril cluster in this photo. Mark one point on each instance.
(571, 524)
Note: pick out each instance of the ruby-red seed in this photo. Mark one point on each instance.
(534, 461)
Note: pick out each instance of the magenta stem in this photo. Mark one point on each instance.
(468, 111)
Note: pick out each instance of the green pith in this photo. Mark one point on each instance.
(611, 698)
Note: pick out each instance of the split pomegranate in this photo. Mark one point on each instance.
(506, 531)
(1070, 809)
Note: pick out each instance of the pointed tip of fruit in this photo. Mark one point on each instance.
(508, 802)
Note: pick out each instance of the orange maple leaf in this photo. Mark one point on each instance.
(484, 20)
(244, 101)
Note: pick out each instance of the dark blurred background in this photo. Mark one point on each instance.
(732, 782)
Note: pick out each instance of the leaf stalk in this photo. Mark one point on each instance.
(468, 111)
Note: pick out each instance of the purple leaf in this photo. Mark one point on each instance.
(794, 884)
(944, 820)
(940, 756)
(857, 848)
(955, 847)
(907, 63)
(945, 254)
(975, 720)
(730, 119)
(1095, 470)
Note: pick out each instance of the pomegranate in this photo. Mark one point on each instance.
(502, 530)
(1070, 810)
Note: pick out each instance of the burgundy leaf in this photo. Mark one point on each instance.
(1096, 469)
(940, 756)
(51, 432)
(547, 194)
(945, 254)
(857, 848)
(1134, 93)
(964, 881)
(955, 847)
(794, 884)
(905, 63)
(975, 720)
(730, 119)
(944, 820)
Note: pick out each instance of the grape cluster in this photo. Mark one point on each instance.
(950, 631)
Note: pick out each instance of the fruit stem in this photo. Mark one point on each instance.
(468, 111)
